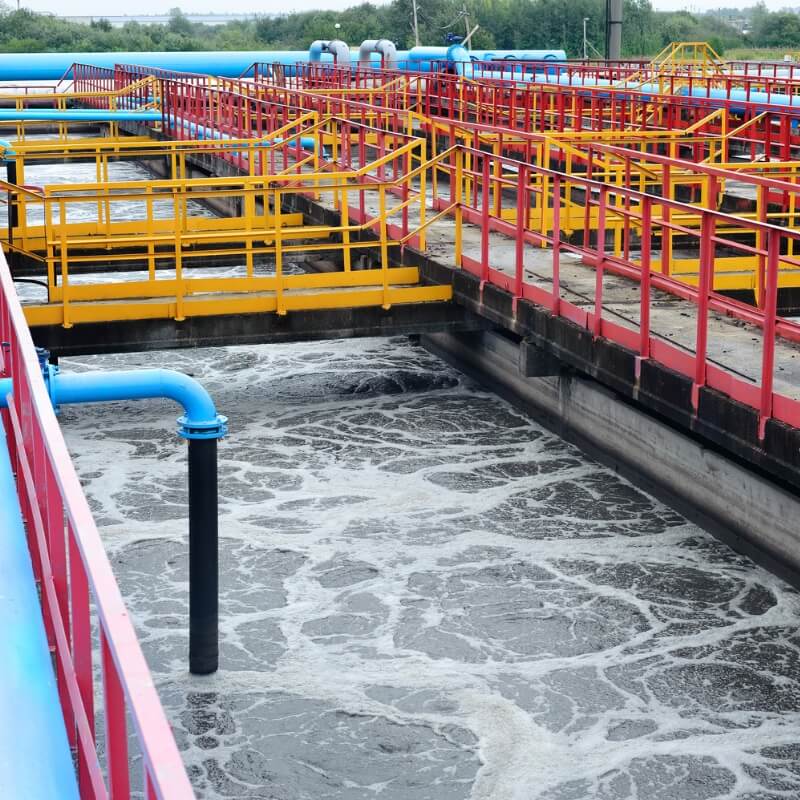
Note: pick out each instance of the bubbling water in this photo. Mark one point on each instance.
(427, 595)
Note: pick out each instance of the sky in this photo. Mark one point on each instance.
(99, 7)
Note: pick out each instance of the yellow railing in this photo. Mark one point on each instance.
(170, 234)
(388, 174)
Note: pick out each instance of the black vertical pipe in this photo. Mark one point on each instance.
(203, 558)
(13, 210)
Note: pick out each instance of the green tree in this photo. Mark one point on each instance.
(779, 29)
(179, 23)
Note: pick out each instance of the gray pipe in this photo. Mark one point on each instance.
(386, 48)
(336, 47)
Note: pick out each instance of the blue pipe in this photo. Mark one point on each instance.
(336, 47)
(199, 421)
(202, 132)
(230, 64)
(35, 760)
(77, 115)
(226, 64)
(421, 58)
(52, 66)
(740, 95)
(518, 55)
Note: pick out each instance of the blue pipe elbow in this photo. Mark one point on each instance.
(199, 421)
(8, 149)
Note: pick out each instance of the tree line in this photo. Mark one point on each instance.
(506, 24)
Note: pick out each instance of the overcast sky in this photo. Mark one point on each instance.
(99, 7)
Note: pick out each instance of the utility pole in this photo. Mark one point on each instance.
(470, 35)
(613, 29)
(585, 42)
(416, 23)
(466, 25)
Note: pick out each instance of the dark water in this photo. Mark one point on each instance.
(426, 595)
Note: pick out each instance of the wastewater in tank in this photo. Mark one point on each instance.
(426, 596)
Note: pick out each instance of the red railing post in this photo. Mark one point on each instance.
(707, 248)
(522, 223)
(556, 299)
(116, 725)
(768, 338)
(81, 649)
(644, 284)
(600, 261)
(486, 197)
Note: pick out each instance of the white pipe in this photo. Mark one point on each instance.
(336, 47)
(386, 48)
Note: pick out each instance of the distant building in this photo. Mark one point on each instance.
(158, 19)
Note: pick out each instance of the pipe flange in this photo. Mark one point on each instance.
(49, 372)
(200, 429)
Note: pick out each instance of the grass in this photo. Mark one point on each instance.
(760, 54)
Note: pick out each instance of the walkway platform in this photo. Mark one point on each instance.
(666, 389)
(125, 336)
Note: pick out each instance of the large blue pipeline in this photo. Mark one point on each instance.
(552, 76)
(52, 66)
(231, 64)
(35, 759)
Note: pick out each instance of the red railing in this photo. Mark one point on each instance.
(89, 78)
(74, 573)
(541, 107)
(629, 76)
(240, 108)
(501, 188)
(248, 107)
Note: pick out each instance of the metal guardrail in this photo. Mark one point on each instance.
(634, 218)
(74, 573)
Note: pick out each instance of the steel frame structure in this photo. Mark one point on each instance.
(490, 161)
